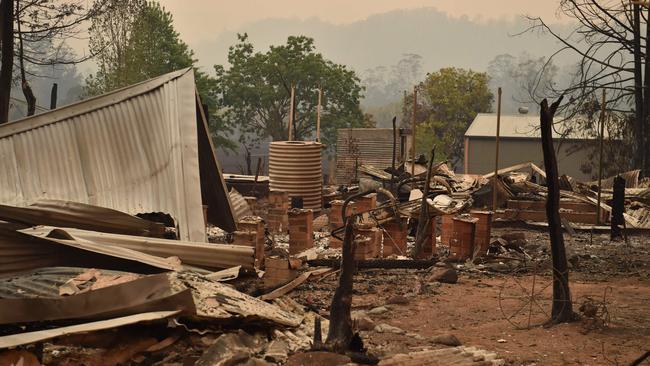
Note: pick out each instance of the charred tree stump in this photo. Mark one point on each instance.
(424, 227)
(618, 208)
(340, 332)
(317, 345)
(562, 309)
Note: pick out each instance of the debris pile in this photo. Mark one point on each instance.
(217, 269)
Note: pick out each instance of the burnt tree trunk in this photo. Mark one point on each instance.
(27, 90)
(562, 309)
(7, 57)
(646, 102)
(424, 227)
(638, 88)
(618, 208)
(340, 331)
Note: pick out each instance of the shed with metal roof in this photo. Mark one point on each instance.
(520, 142)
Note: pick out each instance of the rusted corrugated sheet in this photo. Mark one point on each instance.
(135, 150)
(370, 146)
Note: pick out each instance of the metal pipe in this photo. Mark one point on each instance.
(409, 180)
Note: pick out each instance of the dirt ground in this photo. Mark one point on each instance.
(613, 278)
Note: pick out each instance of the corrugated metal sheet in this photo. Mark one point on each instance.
(22, 252)
(204, 255)
(372, 146)
(239, 204)
(522, 126)
(42, 282)
(81, 216)
(135, 150)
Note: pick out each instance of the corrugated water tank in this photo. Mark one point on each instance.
(295, 168)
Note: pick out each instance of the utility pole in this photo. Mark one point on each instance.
(496, 153)
(600, 163)
(293, 91)
(415, 106)
(320, 96)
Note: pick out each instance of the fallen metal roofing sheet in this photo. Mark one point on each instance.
(149, 293)
(43, 282)
(144, 148)
(204, 255)
(15, 340)
(82, 216)
(22, 252)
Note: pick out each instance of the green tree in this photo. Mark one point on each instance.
(137, 41)
(255, 91)
(448, 101)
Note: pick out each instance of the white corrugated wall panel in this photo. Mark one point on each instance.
(138, 154)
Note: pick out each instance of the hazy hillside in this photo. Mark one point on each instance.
(383, 39)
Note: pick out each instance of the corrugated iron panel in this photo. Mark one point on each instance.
(204, 255)
(371, 146)
(133, 150)
(239, 205)
(42, 282)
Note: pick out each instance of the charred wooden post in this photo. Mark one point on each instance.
(562, 309)
(257, 176)
(318, 335)
(600, 161)
(424, 226)
(53, 95)
(392, 170)
(618, 208)
(340, 331)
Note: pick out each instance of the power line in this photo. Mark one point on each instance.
(25, 103)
